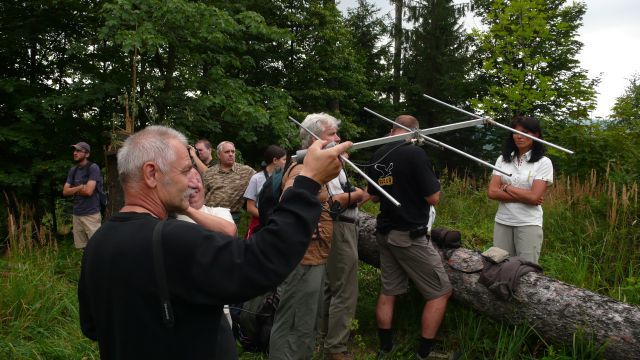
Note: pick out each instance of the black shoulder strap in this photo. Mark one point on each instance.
(266, 174)
(161, 277)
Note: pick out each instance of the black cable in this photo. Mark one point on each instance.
(383, 156)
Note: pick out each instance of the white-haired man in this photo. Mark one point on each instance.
(126, 303)
(301, 295)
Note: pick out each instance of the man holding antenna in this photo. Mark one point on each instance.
(406, 252)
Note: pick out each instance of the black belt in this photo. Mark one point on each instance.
(346, 219)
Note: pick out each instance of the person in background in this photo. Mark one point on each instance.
(293, 334)
(203, 160)
(406, 252)
(82, 183)
(275, 158)
(518, 222)
(341, 284)
(220, 220)
(226, 181)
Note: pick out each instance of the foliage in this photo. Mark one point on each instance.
(626, 110)
(189, 60)
(607, 147)
(372, 50)
(528, 59)
(437, 63)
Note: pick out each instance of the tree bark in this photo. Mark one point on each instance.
(397, 50)
(556, 310)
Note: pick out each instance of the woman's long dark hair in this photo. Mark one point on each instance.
(532, 124)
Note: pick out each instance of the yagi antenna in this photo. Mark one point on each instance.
(373, 183)
(439, 143)
(493, 122)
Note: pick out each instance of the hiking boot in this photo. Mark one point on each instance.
(345, 355)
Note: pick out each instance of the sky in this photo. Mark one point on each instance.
(611, 37)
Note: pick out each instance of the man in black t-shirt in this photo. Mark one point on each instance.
(404, 171)
(141, 303)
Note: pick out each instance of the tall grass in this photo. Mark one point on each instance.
(591, 239)
(38, 302)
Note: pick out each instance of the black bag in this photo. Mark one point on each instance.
(269, 196)
(253, 320)
(446, 238)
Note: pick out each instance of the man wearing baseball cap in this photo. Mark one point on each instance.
(82, 182)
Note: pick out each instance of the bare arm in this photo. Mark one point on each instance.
(346, 199)
(251, 208)
(495, 190)
(509, 193)
(434, 198)
(200, 166)
(69, 190)
(82, 189)
(211, 222)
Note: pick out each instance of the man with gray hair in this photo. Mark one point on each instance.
(226, 181)
(301, 295)
(152, 287)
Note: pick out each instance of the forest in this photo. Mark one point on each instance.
(95, 71)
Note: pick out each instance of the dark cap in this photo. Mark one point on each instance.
(82, 146)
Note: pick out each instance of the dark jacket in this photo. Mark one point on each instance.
(502, 278)
(117, 290)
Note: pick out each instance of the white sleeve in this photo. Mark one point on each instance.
(251, 192)
(221, 212)
(498, 164)
(544, 171)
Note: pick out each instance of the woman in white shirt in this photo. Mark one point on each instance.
(275, 158)
(518, 222)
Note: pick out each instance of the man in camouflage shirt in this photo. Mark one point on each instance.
(226, 181)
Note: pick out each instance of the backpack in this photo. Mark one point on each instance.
(269, 195)
(103, 197)
(253, 320)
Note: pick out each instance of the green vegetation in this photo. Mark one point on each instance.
(591, 231)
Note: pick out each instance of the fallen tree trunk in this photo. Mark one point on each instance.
(556, 310)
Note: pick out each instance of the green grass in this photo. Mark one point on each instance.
(592, 234)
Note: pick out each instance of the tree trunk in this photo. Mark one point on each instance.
(116, 194)
(397, 50)
(556, 310)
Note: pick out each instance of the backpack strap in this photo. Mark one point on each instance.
(161, 276)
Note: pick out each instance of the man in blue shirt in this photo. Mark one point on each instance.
(82, 183)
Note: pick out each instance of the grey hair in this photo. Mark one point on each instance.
(219, 147)
(316, 123)
(149, 144)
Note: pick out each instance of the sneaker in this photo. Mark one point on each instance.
(339, 356)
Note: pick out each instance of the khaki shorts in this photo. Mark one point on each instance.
(403, 258)
(84, 227)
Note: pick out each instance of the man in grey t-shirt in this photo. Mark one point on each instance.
(82, 183)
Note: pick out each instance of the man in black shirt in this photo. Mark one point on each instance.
(120, 292)
(404, 171)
